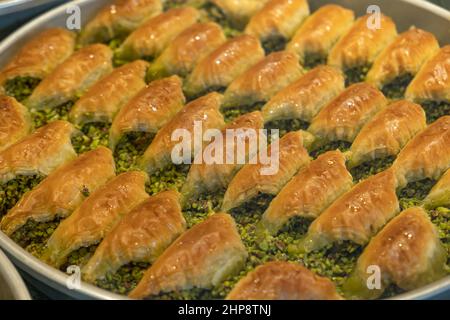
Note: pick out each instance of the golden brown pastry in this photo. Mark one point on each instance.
(407, 252)
(343, 117)
(39, 56)
(304, 98)
(320, 31)
(15, 122)
(405, 55)
(38, 153)
(141, 235)
(72, 78)
(278, 18)
(433, 80)
(239, 12)
(150, 39)
(280, 280)
(290, 155)
(212, 169)
(186, 50)
(119, 19)
(263, 80)
(388, 132)
(62, 191)
(361, 45)
(427, 155)
(224, 65)
(310, 192)
(203, 111)
(202, 257)
(150, 109)
(439, 195)
(96, 216)
(357, 215)
(105, 98)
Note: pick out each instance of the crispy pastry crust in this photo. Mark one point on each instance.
(283, 281)
(15, 122)
(304, 98)
(202, 257)
(240, 11)
(141, 235)
(62, 191)
(72, 78)
(105, 98)
(440, 194)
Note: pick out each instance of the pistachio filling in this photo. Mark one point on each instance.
(130, 147)
(333, 145)
(371, 168)
(21, 87)
(312, 60)
(287, 125)
(356, 74)
(232, 113)
(274, 43)
(397, 87)
(42, 117)
(436, 109)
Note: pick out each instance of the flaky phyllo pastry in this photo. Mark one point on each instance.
(440, 193)
(320, 31)
(62, 191)
(304, 98)
(119, 19)
(263, 80)
(427, 155)
(362, 43)
(204, 111)
(344, 116)
(150, 39)
(141, 235)
(202, 257)
(186, 50)
(105, 98)
(72, 78)
(357, 215)
(96, 216)
(38, 57)
(283, 281)
(388, 132)
(278, 18)
(257, 177)
(223, 65)
(149, 110)
(404, 56)
(239, 12)
(433, 80)
(39, 153)
(407, 252)
(310, 192)
(15, 121)
(205, 176)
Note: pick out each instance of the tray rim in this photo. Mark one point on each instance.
(57, 279)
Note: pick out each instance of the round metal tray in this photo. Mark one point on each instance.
(12, 286)
(405, 14)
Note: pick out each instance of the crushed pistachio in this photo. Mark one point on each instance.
(21, 87)
(42, 117)
(170, 178)
(312, 60)
(435, 110)
(396, 88)
(232, 113)
(79, 257)
(274, 44)
(125, 279)
(356, 74)
(341, 145)
(371, 168)
(288, 125)
(130, 148)
(92, 136)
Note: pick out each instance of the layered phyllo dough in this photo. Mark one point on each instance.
(316, 37)
(279, 280)
(407, 253)
(72, 78)
(388, 132)
(62, 191)
(105, 98)
(96, 216)
(141, 235)
(150, 110)
(310, 192)
(119, 19)
(150, 39)
(304, 98)
(289, 155)
(15, 122)
(263, 80)
(203, 111)
(202, 257)
(440, 193)
(239, 12)
(223, 65)
(39, 153)
(186, 50)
